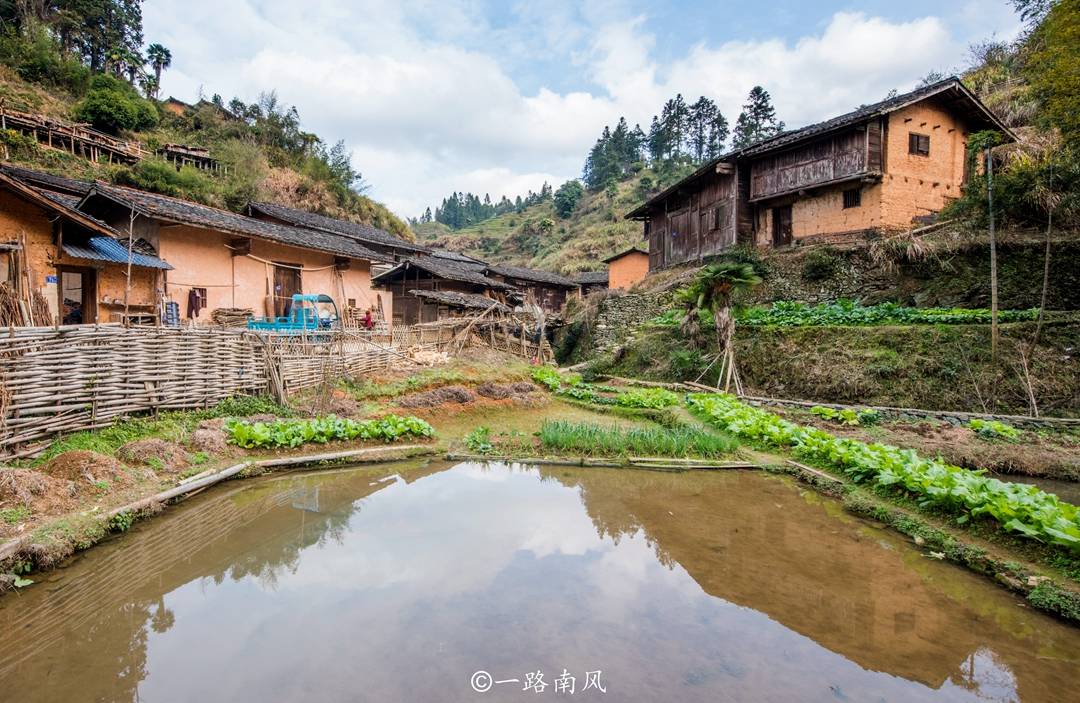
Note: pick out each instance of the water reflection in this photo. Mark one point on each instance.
(397, 584)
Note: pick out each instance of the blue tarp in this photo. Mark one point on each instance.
(108, 249)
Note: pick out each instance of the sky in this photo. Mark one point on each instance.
(436, 96)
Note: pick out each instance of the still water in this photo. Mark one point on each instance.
(399, 583)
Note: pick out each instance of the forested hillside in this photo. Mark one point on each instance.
(87, 62)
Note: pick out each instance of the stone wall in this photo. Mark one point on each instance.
(620, 315)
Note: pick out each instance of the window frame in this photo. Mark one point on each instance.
(852, 198)
(916, 143)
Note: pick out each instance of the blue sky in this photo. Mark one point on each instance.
(440, 95)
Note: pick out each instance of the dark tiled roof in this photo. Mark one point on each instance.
(458, 257)
(631, 250)
(310, 220)
(591, 278)
(70, 201)
(866, 112)
(523, 274)
(443, 268)
(164, 207)
(47, 181)
(466, 301)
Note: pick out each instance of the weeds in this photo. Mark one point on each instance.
(13, 516)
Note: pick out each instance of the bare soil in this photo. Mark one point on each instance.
(436, 397)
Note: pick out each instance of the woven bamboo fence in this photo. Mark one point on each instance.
(312, 361)
(65, 379)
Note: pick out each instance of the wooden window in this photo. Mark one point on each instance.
(918, 144)
(852, 198)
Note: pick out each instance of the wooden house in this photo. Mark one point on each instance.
(627, 268)
(75, 262)
(222, 259)
(881, 167)
(411, 280)
(548, 290)
(591, 281)
(370, 237)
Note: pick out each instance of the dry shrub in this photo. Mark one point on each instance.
(170, 455)
(85, 467)
(209, 440)
(437, 397)
(494, 391)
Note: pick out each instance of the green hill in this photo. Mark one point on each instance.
(265, 153)
(539, 238)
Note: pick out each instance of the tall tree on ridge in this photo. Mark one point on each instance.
(757, 120)
(160, 58)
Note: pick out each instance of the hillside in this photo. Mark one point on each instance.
(304, 175)
(539, 238)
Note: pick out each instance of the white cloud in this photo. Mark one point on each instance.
(424, 91)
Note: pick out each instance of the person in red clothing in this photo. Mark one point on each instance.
(369, 321)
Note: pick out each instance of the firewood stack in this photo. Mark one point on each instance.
(231, 317)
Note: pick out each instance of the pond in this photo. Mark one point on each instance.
(400, 583)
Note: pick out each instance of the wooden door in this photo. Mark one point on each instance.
(286, 284)
(77, 290)
(781, 225)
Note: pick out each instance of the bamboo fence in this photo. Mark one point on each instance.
(66, 379)
(56, 380)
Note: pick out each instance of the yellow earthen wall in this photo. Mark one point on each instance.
(920, 185)
(19, 215)
(200, 258)
(627, 270)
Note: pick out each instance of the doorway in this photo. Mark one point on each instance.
(77, 289)
(286, 284)
(781, 226)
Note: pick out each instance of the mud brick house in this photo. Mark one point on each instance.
(881, 167)
(627, 268)
(411, 281)
(223, 259)
(77, 263)
(548, 290)
(370, 237)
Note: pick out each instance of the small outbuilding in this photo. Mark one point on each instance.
(627, 268)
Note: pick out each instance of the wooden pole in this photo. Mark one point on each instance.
(993, 258)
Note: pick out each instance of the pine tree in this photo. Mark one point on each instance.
(757, 120)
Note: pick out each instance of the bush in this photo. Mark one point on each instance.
(819, 265)
(112, 105)
(37, 59)
(160, 176)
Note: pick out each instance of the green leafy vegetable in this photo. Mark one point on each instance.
(293, 433)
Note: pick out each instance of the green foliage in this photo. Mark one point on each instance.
(1017, 508)
(160, 176)
(1053, 68)
(112, 105)
(993, 429)
(847, 416)
(548, 378)
(647, 398)
(479, 440)
(592, 440)
(36, 57)
(121, 522)
(851, 313)
(293, 433)
(15, 515)
(819, 265)
(567, 197)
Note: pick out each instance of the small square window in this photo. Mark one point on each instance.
(852, 198)
(918, 144)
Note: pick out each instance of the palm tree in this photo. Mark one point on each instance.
(713, 292)
(160, 58)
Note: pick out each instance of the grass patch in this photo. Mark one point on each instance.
(171, 426)
(590, 439)
(13, 516)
